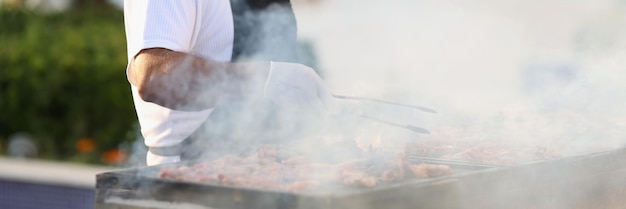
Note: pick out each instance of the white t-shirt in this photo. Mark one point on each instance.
(200, 27)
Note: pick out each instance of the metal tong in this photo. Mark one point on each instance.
(407, 127)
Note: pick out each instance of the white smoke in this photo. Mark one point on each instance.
(471, 58)
(547, 73)
(528, 73)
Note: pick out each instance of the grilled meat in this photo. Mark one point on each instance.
(268, 170)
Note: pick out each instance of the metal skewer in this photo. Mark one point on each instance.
(421, 108)
(408, 127)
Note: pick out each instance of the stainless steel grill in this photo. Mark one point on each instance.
(585, 181)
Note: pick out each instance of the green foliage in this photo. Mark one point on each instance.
(62, 79)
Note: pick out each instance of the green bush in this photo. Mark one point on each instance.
(62, 79)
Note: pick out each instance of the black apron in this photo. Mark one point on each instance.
(263, 30)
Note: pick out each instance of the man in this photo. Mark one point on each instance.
(187, 57)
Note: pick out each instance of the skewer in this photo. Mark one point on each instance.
(421, 108)
(452, 162)
(408, 127)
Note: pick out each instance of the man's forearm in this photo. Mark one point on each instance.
(186, 82)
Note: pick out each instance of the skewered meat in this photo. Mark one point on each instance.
(268, 170)
(358, 178)
(425, 170)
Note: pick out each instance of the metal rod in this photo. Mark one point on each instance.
(421, 108)
(452, 162)
(408, 127)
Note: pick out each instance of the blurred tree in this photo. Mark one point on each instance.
(16, 3)
(62, 80)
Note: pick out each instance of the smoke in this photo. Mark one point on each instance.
(512, 73)
(473, 60)
(517, 73)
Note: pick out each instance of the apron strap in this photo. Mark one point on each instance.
(264, 30)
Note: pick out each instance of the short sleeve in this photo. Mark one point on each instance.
(159, 24)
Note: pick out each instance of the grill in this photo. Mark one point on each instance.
(584, 181)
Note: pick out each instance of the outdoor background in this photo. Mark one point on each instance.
(62, 82)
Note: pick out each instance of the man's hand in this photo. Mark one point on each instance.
(297, 87)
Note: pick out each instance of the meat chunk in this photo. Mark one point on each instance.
(425, 170)
(357, 178)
